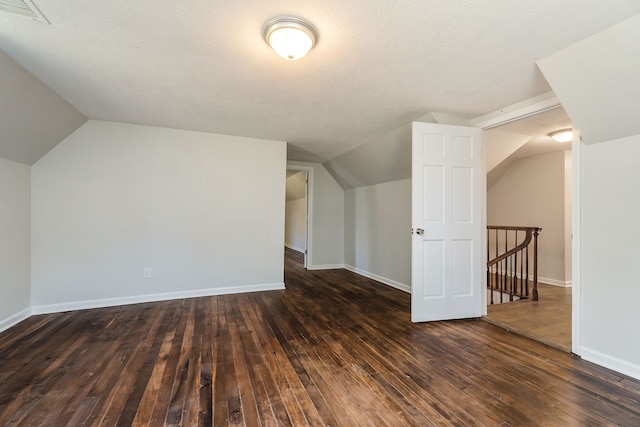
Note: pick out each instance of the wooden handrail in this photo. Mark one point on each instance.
(512, 227)
(530, 232)
(511, 283)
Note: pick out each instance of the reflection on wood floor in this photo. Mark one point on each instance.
(334, 348)
(547, 320)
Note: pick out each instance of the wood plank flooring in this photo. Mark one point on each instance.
(334, 348)
(547, 320)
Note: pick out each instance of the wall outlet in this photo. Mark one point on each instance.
(146, 273)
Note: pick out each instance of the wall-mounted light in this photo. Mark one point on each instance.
(291, 38)
(564, 135)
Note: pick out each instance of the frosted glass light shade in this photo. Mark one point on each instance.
(565, 135)
(291, 38)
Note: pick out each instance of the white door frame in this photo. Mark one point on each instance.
(529, 108)
(576, 245)
(309, 226)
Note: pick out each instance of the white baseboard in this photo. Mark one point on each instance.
(554, 282)
(610, 362)
(384, 280)
(15, 319)
(110, 302)
(295, 248)
(326, 267)
(545, 280)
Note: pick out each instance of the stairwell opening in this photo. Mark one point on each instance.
(529, 184)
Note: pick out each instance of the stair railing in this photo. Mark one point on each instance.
(508, 263)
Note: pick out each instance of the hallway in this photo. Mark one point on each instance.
(547, 320)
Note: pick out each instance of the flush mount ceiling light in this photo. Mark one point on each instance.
(564, 135)
(291, 38)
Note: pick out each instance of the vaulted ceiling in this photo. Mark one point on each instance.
(203, 65)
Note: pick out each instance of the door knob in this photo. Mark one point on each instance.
(419, 231)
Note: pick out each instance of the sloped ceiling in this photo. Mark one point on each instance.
(33, 118)
(385, 158)
(204, 66)
(388, 157)
(296, 185)
(523, 138)
(536, 130)
(501, 144)
(597, 81)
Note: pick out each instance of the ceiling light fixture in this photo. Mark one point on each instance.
(291, 38)
(564, 135)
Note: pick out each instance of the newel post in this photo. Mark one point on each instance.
(535, 264)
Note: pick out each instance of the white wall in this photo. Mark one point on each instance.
(378, 232)
(327, 219)
(532, 192)
(15, 250)
(610, 226)
(295, 221)
(295, 224)
(113, 199)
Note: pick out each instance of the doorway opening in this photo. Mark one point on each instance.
(529, 184)
(296, 236)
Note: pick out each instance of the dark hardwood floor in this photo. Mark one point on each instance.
(333, 349)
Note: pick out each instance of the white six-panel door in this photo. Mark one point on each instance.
(447, 275)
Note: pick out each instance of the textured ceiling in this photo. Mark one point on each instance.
(536, 130)
(203, 65)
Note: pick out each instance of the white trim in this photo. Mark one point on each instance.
(610, 362)
(295, 248)
(326, 267)
(543, 280)
(576, 245)
(110, 302)
(554, 282)
(308, 259)
(389, 282)
(15, 319)
(484, 295)
(529, 107)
